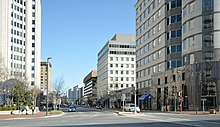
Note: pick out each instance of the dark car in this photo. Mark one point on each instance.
(72, 109)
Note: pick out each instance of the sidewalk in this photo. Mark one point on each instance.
(24, 116)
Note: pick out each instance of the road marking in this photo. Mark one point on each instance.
(170, 120)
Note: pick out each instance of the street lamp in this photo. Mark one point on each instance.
(47, 84)
(135, 103)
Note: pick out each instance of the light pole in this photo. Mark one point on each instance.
(135, 103)
(47, 84)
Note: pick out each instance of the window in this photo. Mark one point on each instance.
(184, 44)
(207, 21)
(191, 24)
(159, 53)
(159, 13)
(111, 71)
(184, 27)
(153, 4)
(159, 26)
(207, 5)
(173, 3)
(148, 46)
(159, 67)
(148, 9)
(111, 65)
(184, 11)
(191, 7)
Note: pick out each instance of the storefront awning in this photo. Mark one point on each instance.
(103, 100)
(145, 97)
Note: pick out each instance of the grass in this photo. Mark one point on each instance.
(56, 112)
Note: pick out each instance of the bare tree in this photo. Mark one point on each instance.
(58, 90)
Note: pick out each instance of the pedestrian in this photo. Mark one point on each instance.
(20, 110)
(26, 108)
(33, 108)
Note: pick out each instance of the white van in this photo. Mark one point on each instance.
(130, 107)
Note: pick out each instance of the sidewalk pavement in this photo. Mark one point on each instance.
(24, 116)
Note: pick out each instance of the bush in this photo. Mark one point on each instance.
(8, 108)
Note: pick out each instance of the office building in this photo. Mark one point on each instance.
(90, 90)
(116, 65)
(46, 69)
(20, 37)
(179, 41)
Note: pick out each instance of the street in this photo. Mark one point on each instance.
(91, 117)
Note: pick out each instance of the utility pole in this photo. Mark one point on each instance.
(47, 85)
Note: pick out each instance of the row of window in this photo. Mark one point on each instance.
(145, 60)
(121, 78)
(122, 53)
(174, 64)
(175, 48)
(144, 84)
(18, 25)
(17, 49)
(121, 59)
(17, 33)
(17, 16)
(148, 34)
(147, 23)
(121, 65)
(17, 41)
(17, 8)
(121, 46)
(149, 71)
(152, 18)
(21, 2)
(122, 85)
(121, 72)
(16, 57)
(148, 46)
(151, 5)
(17, 66)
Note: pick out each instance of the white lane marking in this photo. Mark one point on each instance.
(172, 120)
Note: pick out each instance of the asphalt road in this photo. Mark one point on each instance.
(90, 117)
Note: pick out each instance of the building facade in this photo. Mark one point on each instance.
(179, 41)
(158, 40)
(116, 65)
(90, 88)
(20, 37)
(46, 69)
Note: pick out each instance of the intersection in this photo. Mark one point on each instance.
(90, 117)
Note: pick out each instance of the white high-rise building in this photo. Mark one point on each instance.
(116, 65)
(20, 38)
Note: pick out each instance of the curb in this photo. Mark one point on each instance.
(53, 116)
(128, 114)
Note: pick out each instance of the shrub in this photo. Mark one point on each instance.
(8, 108)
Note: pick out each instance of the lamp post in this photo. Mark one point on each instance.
(47, 85)
(135, 103)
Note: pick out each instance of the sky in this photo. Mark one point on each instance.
(74, 31)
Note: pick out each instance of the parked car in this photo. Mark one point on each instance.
(131, 107)
(98, 107)
(72, 109)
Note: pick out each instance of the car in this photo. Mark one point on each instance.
(98, 107)
(72, 109)
(130, 107)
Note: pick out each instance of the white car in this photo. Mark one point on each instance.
(130, 107)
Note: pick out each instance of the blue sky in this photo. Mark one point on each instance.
(73, 32)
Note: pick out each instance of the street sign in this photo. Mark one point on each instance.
(123, 97)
